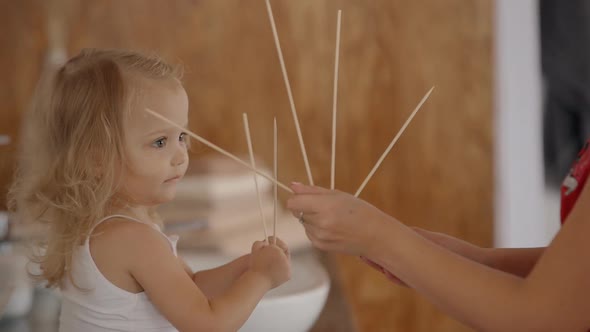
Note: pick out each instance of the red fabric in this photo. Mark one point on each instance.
(574, 182)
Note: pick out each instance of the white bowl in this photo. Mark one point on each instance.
(292, 307)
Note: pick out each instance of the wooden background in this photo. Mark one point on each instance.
(439, 175)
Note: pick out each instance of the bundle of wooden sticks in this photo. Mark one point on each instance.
(274, 178)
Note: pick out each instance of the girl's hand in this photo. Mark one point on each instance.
(271, 261)
(279, 243)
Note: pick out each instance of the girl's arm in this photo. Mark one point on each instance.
(162, 276)
(553, 297)
(214, 282)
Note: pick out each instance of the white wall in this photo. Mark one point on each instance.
(520, 217)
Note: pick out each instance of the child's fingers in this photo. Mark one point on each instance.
(279, 243)
(257, 245)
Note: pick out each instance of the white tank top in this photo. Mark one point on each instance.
(100, 305)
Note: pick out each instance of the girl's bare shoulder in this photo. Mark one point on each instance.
(115, 245)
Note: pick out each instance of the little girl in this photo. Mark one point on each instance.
(94, 167)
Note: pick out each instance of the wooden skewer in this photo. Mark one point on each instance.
(253, 163)
(276, 175)
(218, 149)
(334, 103)
(289, 93)
(358, 192)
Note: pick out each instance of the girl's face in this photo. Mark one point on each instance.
(156, 152)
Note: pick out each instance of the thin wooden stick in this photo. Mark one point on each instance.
(290, 94)
(276, 175)
(358, 192)
(218, 149)
(334, 102)
(253, 163)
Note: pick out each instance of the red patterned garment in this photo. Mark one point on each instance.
(574, 182)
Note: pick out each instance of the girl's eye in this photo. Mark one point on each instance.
(182, 137)
(159, 143)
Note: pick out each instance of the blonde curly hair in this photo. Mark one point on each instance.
(72, 143)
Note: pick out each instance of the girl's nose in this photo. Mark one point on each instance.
(180, 156)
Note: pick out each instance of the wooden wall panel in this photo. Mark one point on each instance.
(22, 40)
(439, 176)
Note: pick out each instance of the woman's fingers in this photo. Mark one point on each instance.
(305, 218)
(309, 201)
(308, 204)
(321, 238)
(334, 221)
(300, 188)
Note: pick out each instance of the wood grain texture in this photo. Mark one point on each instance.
(438, 176)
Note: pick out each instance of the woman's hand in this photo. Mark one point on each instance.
(337, 221)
